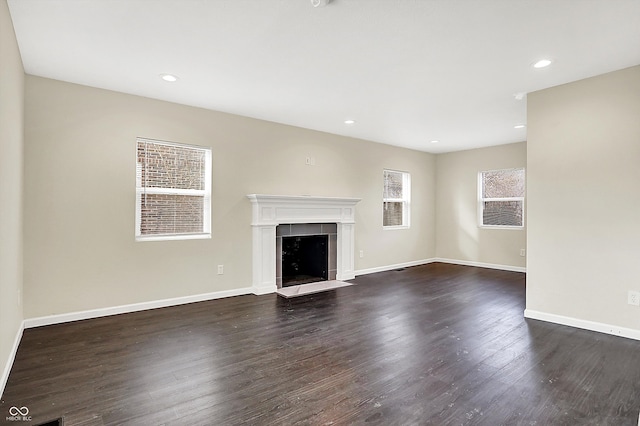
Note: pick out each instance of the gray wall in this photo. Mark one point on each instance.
(80, 252)
(583, 155)
(11, 151)
(458, 236)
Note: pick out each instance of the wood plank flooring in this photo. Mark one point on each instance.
(430, 345)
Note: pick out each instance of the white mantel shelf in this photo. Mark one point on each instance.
(269, 211)
(280, 209)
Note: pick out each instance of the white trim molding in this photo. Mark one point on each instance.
(439, 260)
(12, 357)
(392, 267)
(481, 264)
(134, 307)
(599, 327)
(269, 211)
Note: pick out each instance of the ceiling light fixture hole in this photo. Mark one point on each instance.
(320, 3)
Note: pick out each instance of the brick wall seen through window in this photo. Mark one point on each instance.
(395, 199)
(173, 194)
(501, 198)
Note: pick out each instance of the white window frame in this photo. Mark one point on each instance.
(482, 200)
(206, 193)
(406, 200)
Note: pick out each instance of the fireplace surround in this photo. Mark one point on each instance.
(269, 211)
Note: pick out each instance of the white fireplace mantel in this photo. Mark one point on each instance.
(270, 211)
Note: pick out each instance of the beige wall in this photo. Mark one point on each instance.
(583, 156)
(458, 236)
(80, 252)
(11, 145)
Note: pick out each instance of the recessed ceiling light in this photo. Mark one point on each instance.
(169, 77)
(542, 63)
(349, 121)
(519, 126)
(434, 141)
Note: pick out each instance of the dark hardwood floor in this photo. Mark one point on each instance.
(430, 345)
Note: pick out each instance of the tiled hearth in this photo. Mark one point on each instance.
(269, 211)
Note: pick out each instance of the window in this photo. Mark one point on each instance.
(501, 198)
(395, 199)
(173, 191)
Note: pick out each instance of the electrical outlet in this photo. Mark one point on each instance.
(633, 298)
(220, 269)
(361, 253)
(522, 252)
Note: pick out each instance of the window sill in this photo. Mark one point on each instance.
(392, 228)
(173, 237)
(509, 228)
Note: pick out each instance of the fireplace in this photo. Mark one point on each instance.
(305, 253)
(269, 211)
(304, 259)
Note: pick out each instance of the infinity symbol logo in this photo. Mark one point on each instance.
(14, 411)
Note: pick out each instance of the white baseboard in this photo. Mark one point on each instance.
(265, 289)
(12, 356)
(614, 330)
(143, 306)
(346, 277)
(481, 264)
(392, 267)
(441, 260)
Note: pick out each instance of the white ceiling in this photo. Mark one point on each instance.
(408, 71)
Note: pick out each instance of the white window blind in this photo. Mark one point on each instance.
(173, 191)
(395, 199)
(501, 198)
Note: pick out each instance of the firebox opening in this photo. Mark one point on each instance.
(304, 259)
